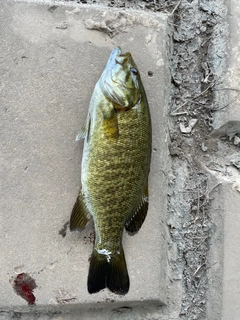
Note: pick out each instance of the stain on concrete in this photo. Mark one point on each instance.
(52, 8)
(24, 285)
(63, 230)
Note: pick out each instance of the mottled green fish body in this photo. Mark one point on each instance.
(115, 168)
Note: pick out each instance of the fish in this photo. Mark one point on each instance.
(114, 171)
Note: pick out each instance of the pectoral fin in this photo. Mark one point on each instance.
(80, 215)
(136, 218)
(85, 130)
(110, 124)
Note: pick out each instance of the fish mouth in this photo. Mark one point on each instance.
(117, 57)
(112, 59)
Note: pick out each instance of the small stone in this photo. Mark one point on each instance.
(62, 25)
(236, 140)
(190, 126)
(236, 186)
(204, 147)
(203, 29)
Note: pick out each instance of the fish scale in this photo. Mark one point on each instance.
(122, 173)
(115, 168)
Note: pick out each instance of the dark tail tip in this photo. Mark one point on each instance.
(108, 271)
(97, 273)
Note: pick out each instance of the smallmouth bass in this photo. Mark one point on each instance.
(115, 168)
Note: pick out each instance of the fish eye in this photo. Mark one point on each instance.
(134, 71)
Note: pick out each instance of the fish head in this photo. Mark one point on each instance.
(120, 80)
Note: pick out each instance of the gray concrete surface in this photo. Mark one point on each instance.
(224, 273)
(231, 275)
(227, 122)
(49, 64)
(231, 262)
(228, 70)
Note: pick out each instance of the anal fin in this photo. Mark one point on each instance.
(80, 215)
(135, 220)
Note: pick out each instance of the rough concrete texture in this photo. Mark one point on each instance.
(229, 70)
(225, 169)
(203, 192)
(51, 58)
(231, 277)
(211, 175)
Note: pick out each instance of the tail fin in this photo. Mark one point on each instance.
(109, 271)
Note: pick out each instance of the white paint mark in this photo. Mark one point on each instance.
(106, 253)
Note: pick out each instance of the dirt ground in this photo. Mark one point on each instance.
(196, 24)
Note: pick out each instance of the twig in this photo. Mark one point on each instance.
(207, 107)
(207, 192)
(198, 268)
(176, 7)
(192, 302)
(203, 92)
(201, 242)
(179, 113)
(174, 112)
(209, 267)
(172, 24)
(233, 89)
(197, 96)
(196, 102)
(225, 106)
(198, 207)
(233, 100)
(203, 237)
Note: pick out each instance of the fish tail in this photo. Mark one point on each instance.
(108, 271)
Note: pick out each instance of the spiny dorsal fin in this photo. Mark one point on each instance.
(80, 215)
(136, 218)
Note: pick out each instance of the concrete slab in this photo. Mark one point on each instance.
(231, 273)
(49, 64)
(224, 283)
(227, 68)
(229, 118)
(224, 275)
